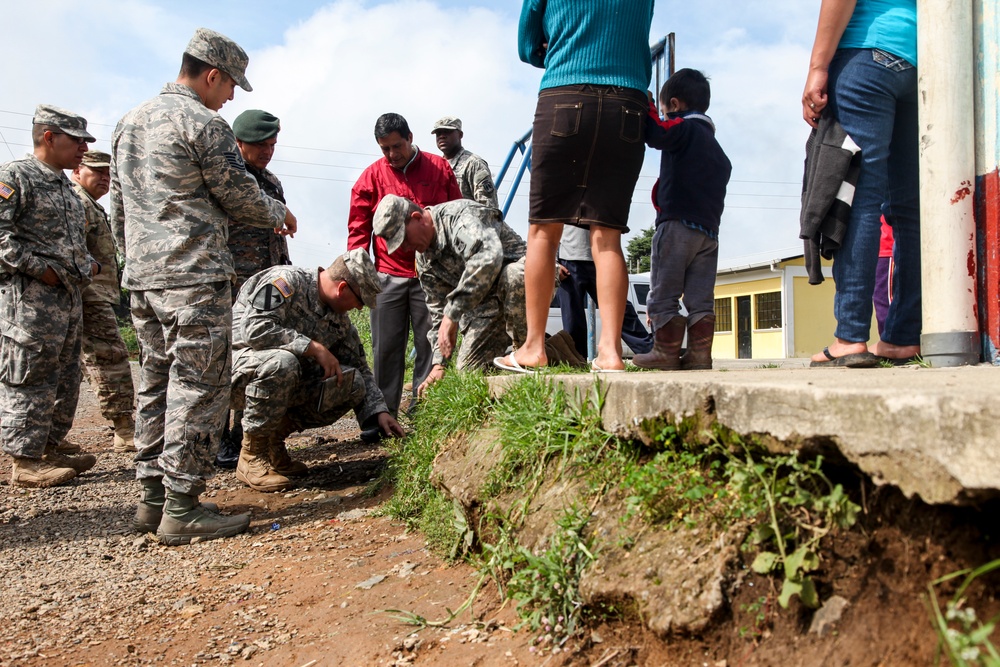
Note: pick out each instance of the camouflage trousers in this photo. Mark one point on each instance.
(269, 385)
(185, 340)
(39, 363)
(105, 359)
(498, 322)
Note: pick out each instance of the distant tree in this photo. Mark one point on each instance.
(640, 249)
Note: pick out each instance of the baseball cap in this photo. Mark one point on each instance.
(72, 124)
(360, 275)
(222, 53)
(389, 221)
(96, 159)
(447, 123)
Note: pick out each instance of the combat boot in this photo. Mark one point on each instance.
(80, 463)
(185, 520)
(149, 513)
(254, 467)
(124, 434)
(281, 462)
(68, 447)
(699, 351)
(666, 352)
(39, 474)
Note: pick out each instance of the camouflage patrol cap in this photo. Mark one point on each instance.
(67, 121)
(360, 274)
(96, 159)
(222, 53)
(447, 123)
(390, 221)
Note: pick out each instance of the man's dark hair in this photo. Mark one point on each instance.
(192, 68)
(388, 123)
(690, 87)
(38, 133)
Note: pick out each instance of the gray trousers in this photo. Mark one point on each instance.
(401, 305)
(39, 363)
(185, 337)
(684, 262)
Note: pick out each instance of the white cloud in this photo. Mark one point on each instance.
(328, 71)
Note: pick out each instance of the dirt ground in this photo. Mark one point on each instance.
(312, 583)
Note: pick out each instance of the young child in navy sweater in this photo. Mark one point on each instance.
(689, 197)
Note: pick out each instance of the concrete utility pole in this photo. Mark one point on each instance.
(947, 173)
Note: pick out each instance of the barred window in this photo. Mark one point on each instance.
(768, 310)
(723, 314)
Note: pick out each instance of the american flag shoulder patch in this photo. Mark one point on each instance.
(283, 287)
(6, 191)
(235, 160)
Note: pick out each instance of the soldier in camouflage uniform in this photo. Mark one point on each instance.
(176, 179)
(257, 248)
(104, 353)
(298, 362)
(44, 263)
(254, 248)
(471, 267)
(472, 171)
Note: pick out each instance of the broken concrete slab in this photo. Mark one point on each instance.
(929, 432)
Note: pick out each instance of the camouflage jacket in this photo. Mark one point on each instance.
(474, 178)
(41, 223)
(460, 268)
(177, 178)
(280, 309)
(256, 248)
(105, 287)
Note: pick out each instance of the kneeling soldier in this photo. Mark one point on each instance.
(298, 362)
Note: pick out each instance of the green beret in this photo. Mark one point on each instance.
(253, 126)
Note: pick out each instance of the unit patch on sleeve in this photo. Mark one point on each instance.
(6, 191)
(267, 297)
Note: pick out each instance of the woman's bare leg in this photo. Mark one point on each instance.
(612, 291)
(539, 280)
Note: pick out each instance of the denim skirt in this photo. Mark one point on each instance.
(587, 150)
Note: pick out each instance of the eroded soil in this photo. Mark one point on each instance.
(311, 583)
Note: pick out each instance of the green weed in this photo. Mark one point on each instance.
(546, 585)
(962, 637)
(803, 506)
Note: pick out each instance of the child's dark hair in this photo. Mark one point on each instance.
(690, 87)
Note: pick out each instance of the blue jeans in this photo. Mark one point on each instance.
(874, 96)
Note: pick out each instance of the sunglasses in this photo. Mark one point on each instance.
(79, 140)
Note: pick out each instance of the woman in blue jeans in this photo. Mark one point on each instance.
(863, 67)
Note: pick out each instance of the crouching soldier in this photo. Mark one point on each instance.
(298, 362)
(471, 268)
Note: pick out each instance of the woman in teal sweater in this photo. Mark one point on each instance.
(587, 150)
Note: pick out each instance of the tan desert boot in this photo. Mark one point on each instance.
(254, 467)
(38, 474)
(124, 434)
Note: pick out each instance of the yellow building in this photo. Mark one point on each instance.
(768, 310)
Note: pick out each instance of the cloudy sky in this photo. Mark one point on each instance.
(329, 69)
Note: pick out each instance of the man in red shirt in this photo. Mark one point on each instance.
(428, 180)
